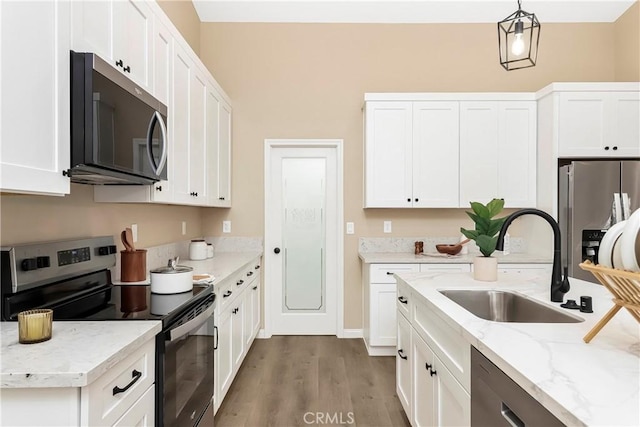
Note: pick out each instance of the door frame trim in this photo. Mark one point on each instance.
(337, 145)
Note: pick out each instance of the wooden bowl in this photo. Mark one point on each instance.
(449, 249)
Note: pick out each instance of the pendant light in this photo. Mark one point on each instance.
(518, 38)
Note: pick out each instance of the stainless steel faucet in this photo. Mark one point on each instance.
(559, 285)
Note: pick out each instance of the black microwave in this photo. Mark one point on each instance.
(118, 130)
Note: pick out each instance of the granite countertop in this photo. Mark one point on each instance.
(410, 258)
(222, 265)
(581, 384)
(77, 354)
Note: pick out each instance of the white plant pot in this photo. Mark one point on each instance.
(485, 268)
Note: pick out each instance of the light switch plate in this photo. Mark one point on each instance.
(350, 228)
(387, 227)
(184, 227)
(226, 226)
(134, 232)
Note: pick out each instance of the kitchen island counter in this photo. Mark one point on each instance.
(410, 258)
(77, 354)
(581, 384)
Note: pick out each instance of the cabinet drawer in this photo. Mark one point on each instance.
(142, 413)
(226, 293)
(451, 268)
(103, 402)
(383, 273)
(251, 272)
(404, 299)
(445, 341)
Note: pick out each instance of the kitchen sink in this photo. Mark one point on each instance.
(506, 306)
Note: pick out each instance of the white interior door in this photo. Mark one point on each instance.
(302, 240)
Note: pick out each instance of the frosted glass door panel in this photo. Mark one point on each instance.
(304, 198)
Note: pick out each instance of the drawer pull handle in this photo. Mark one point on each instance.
(402, 300)
(428, 366)
(239, 282)
(136, 375)
(257, 267)
(401, 354)
(227, 294)
(255, 287)
(389, 273)
(432, 372)
(250, 273)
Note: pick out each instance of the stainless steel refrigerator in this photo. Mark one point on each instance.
(588, 206)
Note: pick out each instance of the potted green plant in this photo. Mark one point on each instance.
(485, 234)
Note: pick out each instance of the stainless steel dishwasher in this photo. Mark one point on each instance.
(496, 400)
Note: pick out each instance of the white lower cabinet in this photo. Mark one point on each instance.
(237, 321)
(403, 365)
(438, 399)
(97, 404)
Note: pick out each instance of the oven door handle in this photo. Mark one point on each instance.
(192, 324)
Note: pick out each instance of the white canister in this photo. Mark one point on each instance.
(197, 250)
(209, 250)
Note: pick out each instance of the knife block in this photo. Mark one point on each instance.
(133, 265)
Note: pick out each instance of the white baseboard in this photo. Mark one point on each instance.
(351, 333)
(262, 335)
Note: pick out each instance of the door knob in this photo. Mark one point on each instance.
(276, 250)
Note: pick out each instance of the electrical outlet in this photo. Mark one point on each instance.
(387, 227)
(184, 227)
(226, 226)
(350, 228)
(134, 232)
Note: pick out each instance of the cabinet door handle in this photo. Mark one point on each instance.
(250, 273)
(255, 287)
(416, 199)
(220, 198)
(127, 69)
(409, 199)
(136, 375)
(119, 63)
(159, 188)
(401, 354)
(215, 332)
(389, 273)
(227, 294)
(606, 148)
(615, 147)
(257, 267)
(402, 300)
(428, 366)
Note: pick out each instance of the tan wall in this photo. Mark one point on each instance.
(308, 81)
(627, 45)
(185, 18)
(39, 218)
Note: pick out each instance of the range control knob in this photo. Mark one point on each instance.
(107, 250)
(29, 264)
(43, 262)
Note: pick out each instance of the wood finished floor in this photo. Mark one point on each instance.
(284, 377)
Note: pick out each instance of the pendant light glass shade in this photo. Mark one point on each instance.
(518, 38)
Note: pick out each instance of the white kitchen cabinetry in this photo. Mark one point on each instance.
(539, 269)
(162, 41)
(599, 124)
(498, 152)
(445, 150)
(438, 399)
(379, 298)
(388, 154)
(433, 382)
(237, 320)
(410, 147)
(120, 32)
(218, 148)
(34, 83)
(98, 403)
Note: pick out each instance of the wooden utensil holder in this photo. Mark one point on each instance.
(625, 287)
(133, 265)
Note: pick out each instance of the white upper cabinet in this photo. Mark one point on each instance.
(388, 154)
(179, 125)
(34, 83)
(445, 150)
(197, 143)
(498, 152)
(224, 156)
(596, 119)
(435, 154)
(218, 148)
(162, 40)
(119, 31)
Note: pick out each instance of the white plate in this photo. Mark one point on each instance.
(630, 243)
(605, 252)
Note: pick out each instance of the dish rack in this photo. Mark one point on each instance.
(625, 287)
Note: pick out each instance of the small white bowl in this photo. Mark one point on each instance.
(630, 243)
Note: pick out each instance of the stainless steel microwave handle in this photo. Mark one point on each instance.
(192, 324)
(157, 168)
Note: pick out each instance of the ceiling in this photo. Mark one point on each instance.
(403, 11)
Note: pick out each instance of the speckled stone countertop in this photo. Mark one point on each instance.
(581, 384)
(76, 355)
(410, 258)
(222, 265)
